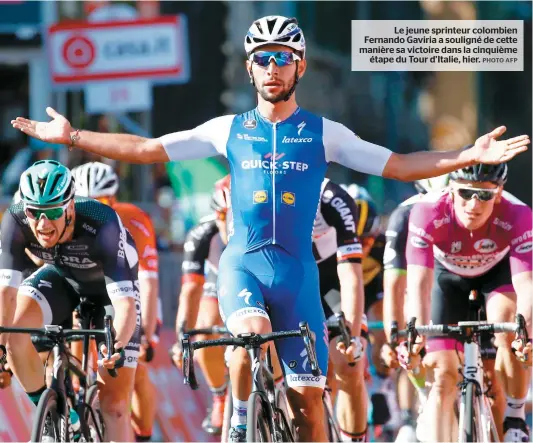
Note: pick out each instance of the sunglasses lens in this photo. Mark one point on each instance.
(50, 214)
(262, 58)
(468, 194)
(485, 195)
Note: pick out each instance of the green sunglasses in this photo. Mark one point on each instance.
(52, 214)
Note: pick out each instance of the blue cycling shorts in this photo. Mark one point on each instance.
(270, 283)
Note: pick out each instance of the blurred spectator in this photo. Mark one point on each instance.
(23, 159)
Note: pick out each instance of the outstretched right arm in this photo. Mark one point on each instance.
(203, 141)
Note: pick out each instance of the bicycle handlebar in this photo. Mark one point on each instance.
(208, 331)
(57, 333)
(246, 340)
(339, 325)
(466, 328)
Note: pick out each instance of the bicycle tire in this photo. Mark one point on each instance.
(47, 406)
(286, 424)
(228, 412)
(470, 426)
(258, 427)
(93, 401)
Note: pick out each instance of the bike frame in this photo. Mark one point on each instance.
(474, 373)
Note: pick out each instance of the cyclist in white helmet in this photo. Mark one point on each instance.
(278, 155)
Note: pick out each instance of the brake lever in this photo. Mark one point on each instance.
(394, 334)
(189, 377)
(110, 341)
(411, 335)
(310, 347)
(521, 333)
(345, 335)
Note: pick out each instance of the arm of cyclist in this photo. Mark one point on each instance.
(12, 262)
(347, 149)
(520, 261)
(394, 278)
(420, 262)
(352, 304)
(184, 145)
(120, 261)
(523, 284)
(144, 235)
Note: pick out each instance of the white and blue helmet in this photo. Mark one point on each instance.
(275, 30)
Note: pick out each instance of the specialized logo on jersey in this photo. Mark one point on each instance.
(273, 165)
(288, 198)
(485, 245)
(250, 124)
(246, 294)
(300, 127)
(344, 211)
(260, 196)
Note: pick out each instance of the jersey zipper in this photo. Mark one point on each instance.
(274, 186)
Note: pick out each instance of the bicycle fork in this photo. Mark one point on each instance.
(58, 385)
(474, 373)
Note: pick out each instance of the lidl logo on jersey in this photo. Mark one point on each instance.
(260, 197)
(288, 198)
(272, 165)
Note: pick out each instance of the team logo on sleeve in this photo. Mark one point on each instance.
(260, 196)
(524, 247)
(456, 246)
(288, 198)
(418, 242)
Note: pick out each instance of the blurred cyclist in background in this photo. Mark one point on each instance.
(198, 304)
(99, 181)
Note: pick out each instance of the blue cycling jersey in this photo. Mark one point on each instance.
(276, 171)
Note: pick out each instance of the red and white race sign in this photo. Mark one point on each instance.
(139, 49)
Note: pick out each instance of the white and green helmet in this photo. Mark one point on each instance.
(46, 183)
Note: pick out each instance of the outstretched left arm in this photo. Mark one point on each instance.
(418, 165)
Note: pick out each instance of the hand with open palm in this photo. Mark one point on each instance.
(489, 150)
(56, 131)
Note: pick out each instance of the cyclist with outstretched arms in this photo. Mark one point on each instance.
(99, 181)
(87, 253)
(278, 154)
(198, 305)
(470, 238)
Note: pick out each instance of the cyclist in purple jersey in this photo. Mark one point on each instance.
(471, 238)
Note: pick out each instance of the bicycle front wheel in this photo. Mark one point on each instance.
(93, 418)
(48, 423)
(228, 411)
(258, 427)
(470, 418)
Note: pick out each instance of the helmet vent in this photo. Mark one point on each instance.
(283, 39)
(259, 40)
(271, 24)
(258, 24)
(297, 37)
(284, 25)
(54, 183)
